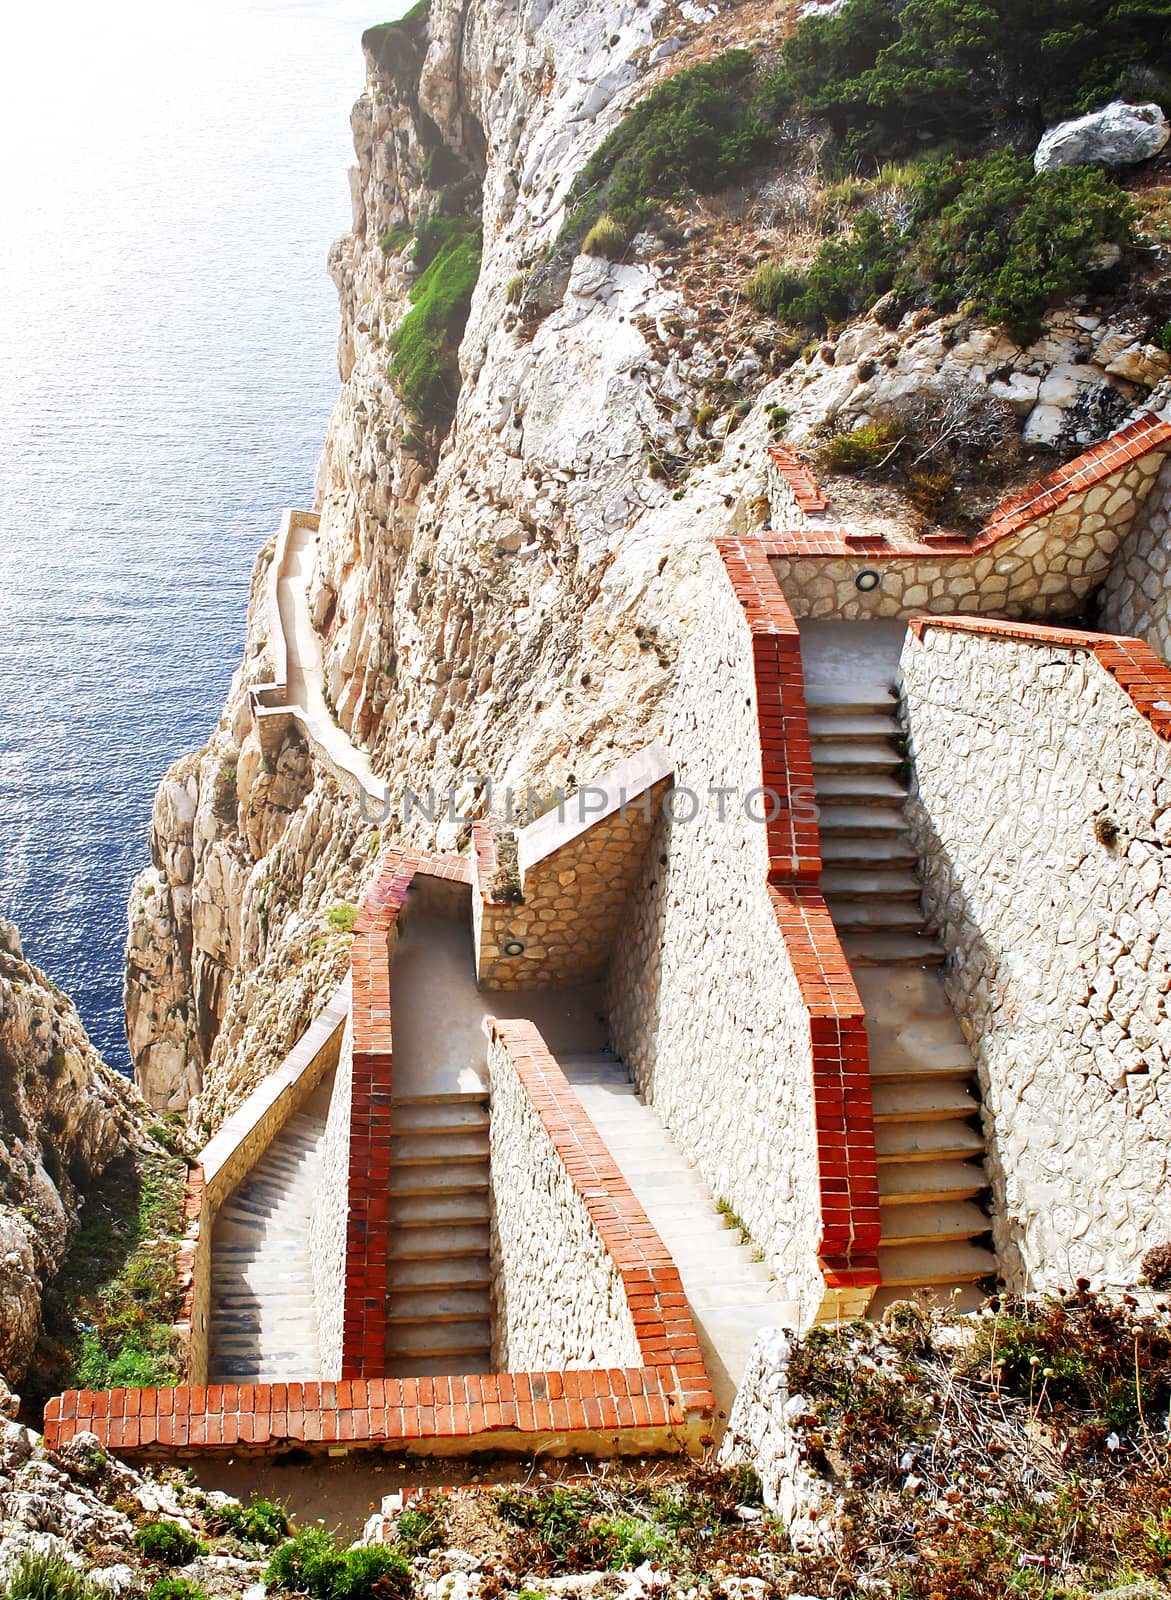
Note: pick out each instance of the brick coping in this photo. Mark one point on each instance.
(821, 539)
(1145, 676)
(650, 1279)
(848, 1169)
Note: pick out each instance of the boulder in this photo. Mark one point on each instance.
(1117, 136)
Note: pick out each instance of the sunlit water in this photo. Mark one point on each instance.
(169, 187)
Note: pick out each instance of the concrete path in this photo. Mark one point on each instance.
(303, 663)
(263, 1314)
(730, 1295)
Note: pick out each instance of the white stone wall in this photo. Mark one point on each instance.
(331, 1209)
(1136, 597)
(1060, 943)
(703, 1003)
(1045, 573)
(558, 1299)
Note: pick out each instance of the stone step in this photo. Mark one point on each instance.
(926, 1141)
(425, 1178)
(865, 883)
(405, 1275)
(855, 755)
(435, 1148)
(440, 1241)
(928, 1101)
(892, 950)
(458, 1097)
(443, 1366)
(859, 822)
(868, 852)
(428, 1306)
(911, 1056)
(467, 1114)
(876, 915)
(862, 702)
(914, 1182)
(440, 1210)
(921, 1266)
(826, 726)
(932, 1223)
(954, 1297)
(860, 789)
(471, 1336)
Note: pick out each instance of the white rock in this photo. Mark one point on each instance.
(114, 1580)
(1117, 136)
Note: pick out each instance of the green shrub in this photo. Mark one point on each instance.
(514, 289)
(425, 345)
(606, 238)
(310, 1563)
(628, 1541)
(417, 1531)
(34, 1576)
(395, 240)
(847, 277)
(890, 75)
(224, 794)
(175, 1588)
(771, 286)
(169, 1542)
(342, 917)
(259, 1522)
(861, 450)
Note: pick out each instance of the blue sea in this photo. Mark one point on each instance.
(171, 180)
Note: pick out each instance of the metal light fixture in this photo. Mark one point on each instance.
(866, 582)
(513, 947)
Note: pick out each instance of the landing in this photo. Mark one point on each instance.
(846, 662)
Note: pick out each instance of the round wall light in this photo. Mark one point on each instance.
(868, 581)
(513, 947)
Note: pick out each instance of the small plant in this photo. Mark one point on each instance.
(778, 420)
(169, 1543)
(1106, 831)
(224, 794)
(514, 289)
(417, 1531)
(733, 1219)
(863, 449)
(36, 1576)
(1157, 1266)
(628, 1541)
(176, 1588)
(259, 1522)
(342, 918)
(771, 285)
(310, 1563)
(395, 240)
(422, 568)
(606, 238)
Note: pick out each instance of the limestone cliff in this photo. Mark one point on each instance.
(506, 594)
(64, 1116)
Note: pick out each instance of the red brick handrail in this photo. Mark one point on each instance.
(650, 1279)
(1145, 677)
(848, 1170)
(799, 480)
(1148, 432)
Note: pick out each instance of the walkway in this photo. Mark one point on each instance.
(263, 1314)
(729, 1294)
(305, 679)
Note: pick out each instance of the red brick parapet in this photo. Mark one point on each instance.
(1145, 676)
(650, 1279)
(185, 1254)
(799, 480)
(843, 1107)
(1147, 433)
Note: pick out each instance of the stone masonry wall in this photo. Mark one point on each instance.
(703, 1000)
(331, 1208)
(1136, 597)
(1042, 813)
(558, 1294)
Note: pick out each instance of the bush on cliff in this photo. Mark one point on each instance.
(311, 1564)
(424, 347)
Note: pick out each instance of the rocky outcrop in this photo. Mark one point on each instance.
(1119, 135)
(64, 1116)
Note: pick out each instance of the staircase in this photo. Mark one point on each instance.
(439, 1300)
(263, 1315)
(930, 1145)
(730, 1296)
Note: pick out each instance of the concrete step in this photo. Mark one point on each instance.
(868, 852)
(827, 725)
(955, 1297)
(440, 1210)
(438, 1148)
(892, 950)
(442, 1366)
(440, 1241)
(855, 755)
(912, 1182)
(926, 1141)
(862, 702)
(876, 915)
(932, 1223)
(921, 1266)
(405, 1275)
(429, 1306)
(911, 1057)
(932, 1100)
(860, 789)
(472, 1336)
(852, 821)
(858, 882)
(455, 1177)
(458, 1097)
(466, 1114)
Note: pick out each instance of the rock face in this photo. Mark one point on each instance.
(64, 1115)
(508, 597)
(1119, 135)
